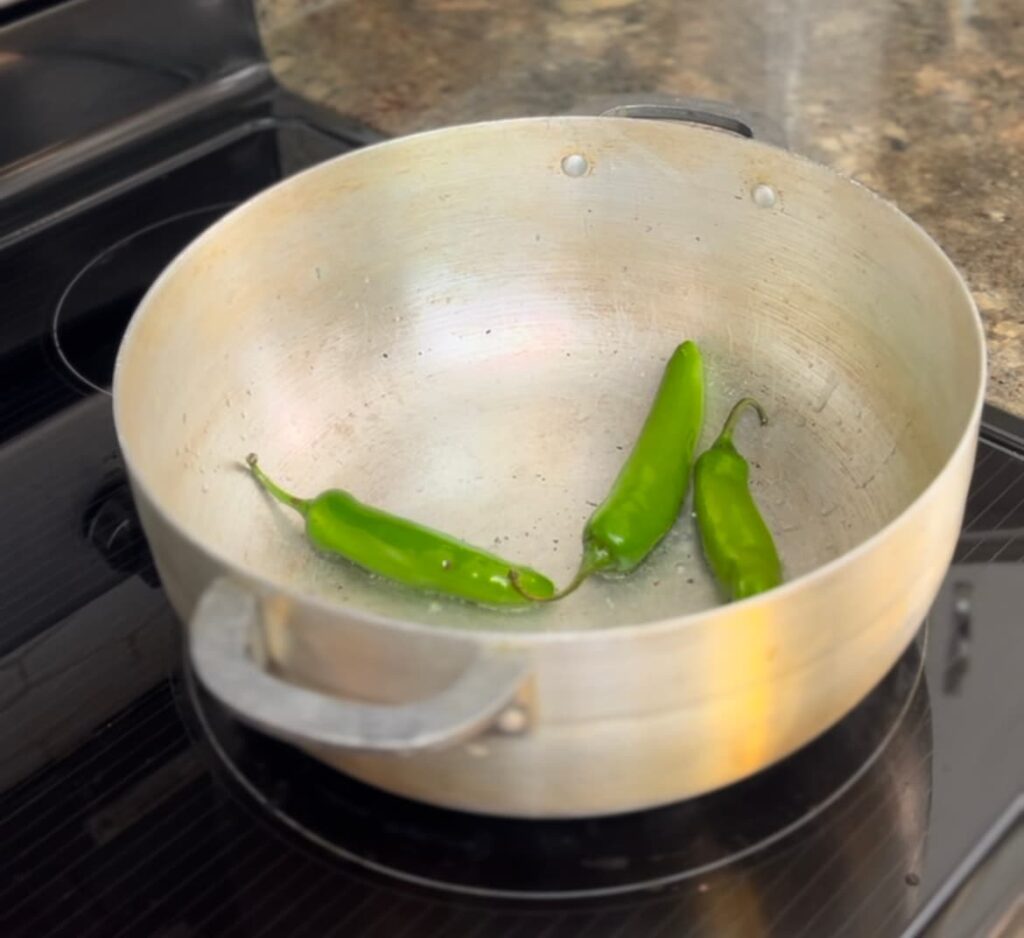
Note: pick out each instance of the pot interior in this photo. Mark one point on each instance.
(454, 328)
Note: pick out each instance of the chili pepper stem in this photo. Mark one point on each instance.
(301, 505)
(585, 570)
(734, 415)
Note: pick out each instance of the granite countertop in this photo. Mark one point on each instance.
(919, 99)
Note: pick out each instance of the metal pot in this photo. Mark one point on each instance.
(466, 327)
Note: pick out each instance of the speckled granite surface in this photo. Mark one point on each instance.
(923, 100)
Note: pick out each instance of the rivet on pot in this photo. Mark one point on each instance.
(575, 165)
(512, 721)
(764, 196)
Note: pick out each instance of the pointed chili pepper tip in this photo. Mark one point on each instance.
(513, 578)
(575, 584)
(251, 460)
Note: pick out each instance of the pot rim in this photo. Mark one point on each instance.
(507, 633)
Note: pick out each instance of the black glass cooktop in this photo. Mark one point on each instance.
(495, 857)
(131, 805)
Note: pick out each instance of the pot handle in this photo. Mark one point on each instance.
(702, 111)
(223, 625)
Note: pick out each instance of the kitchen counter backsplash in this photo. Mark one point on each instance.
(922, 100)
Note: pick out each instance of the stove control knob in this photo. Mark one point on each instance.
(958, 651)
(112, 526)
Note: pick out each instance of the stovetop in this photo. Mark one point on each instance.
(130, 804)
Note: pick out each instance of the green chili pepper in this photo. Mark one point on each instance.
(409, 553)
(736, 541)
(648, 493)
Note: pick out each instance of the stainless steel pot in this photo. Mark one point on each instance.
(466, 327)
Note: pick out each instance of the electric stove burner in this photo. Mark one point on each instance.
(498, 857)
(95, 307)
